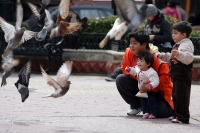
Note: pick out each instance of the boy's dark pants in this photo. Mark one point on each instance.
(181, 99)
(149, 105)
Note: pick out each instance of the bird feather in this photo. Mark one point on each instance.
(126, 9)
(50, 80)
(64, 8)
(8, 29)
(27, 36)
(19, 15)
(34, 9)
(64, 72)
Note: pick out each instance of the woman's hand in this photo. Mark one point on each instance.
(144, 88)
(151, 37)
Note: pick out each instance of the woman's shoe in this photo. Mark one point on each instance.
(152, 116)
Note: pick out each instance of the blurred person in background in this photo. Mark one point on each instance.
(171, 10)
(158, 28)
(181, 10)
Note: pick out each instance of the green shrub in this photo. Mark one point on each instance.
(103, 25)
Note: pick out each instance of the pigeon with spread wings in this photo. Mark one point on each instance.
(40, 13)
(61, 85)
(63, 18)
(130, 18)
(23, 81)
(73, 40)
(15, 36)
(44, 19)
(8, 66)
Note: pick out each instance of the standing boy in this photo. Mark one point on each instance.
(181, 61)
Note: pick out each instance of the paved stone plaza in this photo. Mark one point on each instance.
(92, 105)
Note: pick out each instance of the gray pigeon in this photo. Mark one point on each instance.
(23, 81)
(48, 22)
(62, 84)
(8, 66)
(129, 19)
(15, 36)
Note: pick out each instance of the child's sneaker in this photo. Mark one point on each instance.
(145, 116)
(152, 116)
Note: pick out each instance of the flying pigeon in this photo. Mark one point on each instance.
(129, 19)
(15, 36)
(62, 21)
(62, 84)
(8, 64)
(48, 22)
(40, 13)
(23, 81)
(73, 40)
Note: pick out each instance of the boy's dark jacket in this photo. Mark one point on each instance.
(161, 28)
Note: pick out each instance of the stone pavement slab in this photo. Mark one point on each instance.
(92, 105)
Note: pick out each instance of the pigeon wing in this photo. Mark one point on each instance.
(34, 9)
(12, 64)
(6, 60)
(8, 29)
(24, 73)
(46, 2)
(50, 81)
(65, 27)
(64, 8)
(126, 9)
(19, 15)
(27, 35)
(64, 73)
(49, 23)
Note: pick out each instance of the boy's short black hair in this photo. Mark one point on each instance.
(140, 36)
(183, 27)
(148, 57)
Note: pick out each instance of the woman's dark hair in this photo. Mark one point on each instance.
(148, 57)
(141, 36)
(183, 27)
(172, 3)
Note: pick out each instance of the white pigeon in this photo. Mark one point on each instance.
(15, 36)
(48, 21)
(129, 19)
(61, 85)
(116, 32)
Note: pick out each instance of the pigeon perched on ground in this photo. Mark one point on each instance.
(64, 26)
(129, 19)
(61, 85)
(23, 81)
(8, 66)
(15, 36)
(48, 22)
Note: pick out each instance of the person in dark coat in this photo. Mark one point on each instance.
(158, 28)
